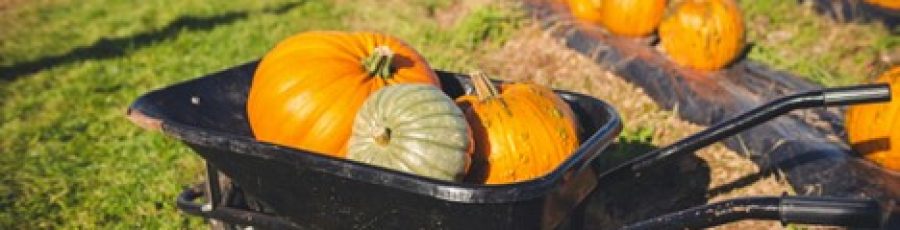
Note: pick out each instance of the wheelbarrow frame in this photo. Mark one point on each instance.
(335, 193)
(208, 114)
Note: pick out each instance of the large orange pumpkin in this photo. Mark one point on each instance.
(307, 90)
(874, 129)
(703, 34)
(632, 17)
(522, 132)
(585, 10)
(888, 4)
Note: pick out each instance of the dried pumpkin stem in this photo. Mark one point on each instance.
(484, 89)
(384, 137)
(379, 63)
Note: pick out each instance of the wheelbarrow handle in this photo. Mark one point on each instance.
(845, 212)
(817, 98)
(858, 94)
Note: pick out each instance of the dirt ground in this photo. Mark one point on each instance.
(550, 62)
(8, 4)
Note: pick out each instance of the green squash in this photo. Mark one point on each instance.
(414, 128)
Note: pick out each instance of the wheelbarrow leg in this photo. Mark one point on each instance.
(216, 183)
(222, 193)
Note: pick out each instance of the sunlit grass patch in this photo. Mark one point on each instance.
(793, 36)
(68, 156)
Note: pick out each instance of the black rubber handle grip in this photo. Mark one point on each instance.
(847, 212)
(856, 94)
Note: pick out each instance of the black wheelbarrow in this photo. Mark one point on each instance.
(279, 187)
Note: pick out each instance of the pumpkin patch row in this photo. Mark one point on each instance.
(709, 34)
(701, 34)
(372, 98)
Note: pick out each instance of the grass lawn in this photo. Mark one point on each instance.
(793, 36)
(68, 70)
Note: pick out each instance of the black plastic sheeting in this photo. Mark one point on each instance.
(857, 11)
(807, 146)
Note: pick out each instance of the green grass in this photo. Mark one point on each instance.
(453, 47)
(68, 70)
(791, 36)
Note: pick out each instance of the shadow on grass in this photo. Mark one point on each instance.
(622, 198)
(105, 48)
(741, 182)
(854, 10)
(748, 180)
(805, 165)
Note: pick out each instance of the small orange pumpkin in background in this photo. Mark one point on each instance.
(703, 34)
(585, 10)
(887, 4)
(307, 90)
(632, 17)
(522, 132)
(874, 129)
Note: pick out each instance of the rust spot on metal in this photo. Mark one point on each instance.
(144, 121)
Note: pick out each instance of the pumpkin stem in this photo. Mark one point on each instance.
(379, 62)
(484, 89)
(384, 137)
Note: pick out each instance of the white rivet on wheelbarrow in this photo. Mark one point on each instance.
(195, 100)
(206, 208)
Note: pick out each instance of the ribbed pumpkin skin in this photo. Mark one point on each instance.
(307, 90)
(585, 10)
(523, 133)
(632, 17)
(874, 129)
(889, 4)
(413, 128)
(703, 34)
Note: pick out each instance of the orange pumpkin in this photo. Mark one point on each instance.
(632, 17)
(307, 90)
(585, 10)
(887, 4)
(703, 34)
(874, 129)
(522, 132)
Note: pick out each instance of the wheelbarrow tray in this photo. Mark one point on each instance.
(208, 114)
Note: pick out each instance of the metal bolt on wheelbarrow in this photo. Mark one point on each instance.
(284, 188)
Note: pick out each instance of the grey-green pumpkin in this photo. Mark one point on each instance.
(414, 128)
